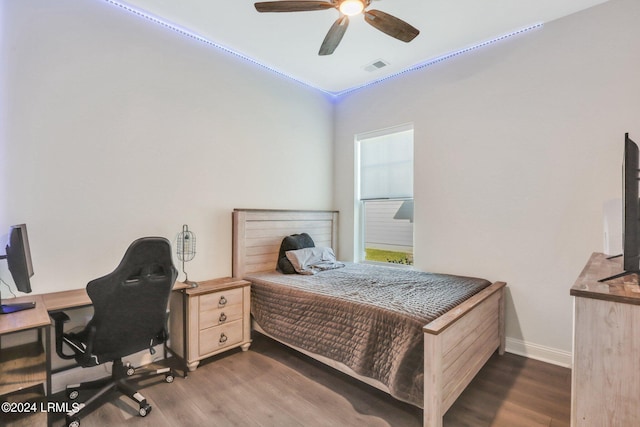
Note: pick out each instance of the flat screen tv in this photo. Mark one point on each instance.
(630, 211)
(18, 258)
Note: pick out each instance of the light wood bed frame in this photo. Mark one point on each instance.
(456, 344)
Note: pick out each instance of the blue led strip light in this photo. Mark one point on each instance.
(441, 58)
(427, 63)
(199, 38)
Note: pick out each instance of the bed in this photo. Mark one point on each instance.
(439, 357)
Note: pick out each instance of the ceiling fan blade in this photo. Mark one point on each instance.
(292, 6)
(333, 37)
(391, 25)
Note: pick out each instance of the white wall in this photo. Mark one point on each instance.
(113, 128)
(517, 147)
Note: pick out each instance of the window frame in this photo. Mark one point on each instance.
(359, 203)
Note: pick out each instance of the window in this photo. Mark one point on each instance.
(385, 195)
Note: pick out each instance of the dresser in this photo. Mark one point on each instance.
(606, 346)
(217, 319)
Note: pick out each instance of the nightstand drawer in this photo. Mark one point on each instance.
(221, 299)
(218, 337)
(220, 316)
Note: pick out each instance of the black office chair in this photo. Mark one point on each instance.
(130, 315)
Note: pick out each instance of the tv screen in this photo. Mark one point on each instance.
(630, 210)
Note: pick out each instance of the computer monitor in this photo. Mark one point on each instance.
(18, 258)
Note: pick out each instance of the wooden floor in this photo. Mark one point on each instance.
(271, 385)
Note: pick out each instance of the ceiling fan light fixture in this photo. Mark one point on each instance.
(351, 7)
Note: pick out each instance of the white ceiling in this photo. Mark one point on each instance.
(288, 42)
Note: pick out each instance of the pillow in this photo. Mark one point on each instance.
(312, 260)
(293, 242)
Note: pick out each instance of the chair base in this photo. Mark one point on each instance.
(118, 380)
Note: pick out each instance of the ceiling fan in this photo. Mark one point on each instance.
(384, 22)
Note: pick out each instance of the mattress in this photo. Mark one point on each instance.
(364, 316)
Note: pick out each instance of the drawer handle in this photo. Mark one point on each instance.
(222, 301)
(222, 318)
(223, 338)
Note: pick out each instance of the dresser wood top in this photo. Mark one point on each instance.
(214, 285)
(624, 289)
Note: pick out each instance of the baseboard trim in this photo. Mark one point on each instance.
(539, 352)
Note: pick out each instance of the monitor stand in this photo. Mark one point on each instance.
(18, 306)
(615, 276)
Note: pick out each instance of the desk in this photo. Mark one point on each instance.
(29, 365)
(76, 298)
(25, 366)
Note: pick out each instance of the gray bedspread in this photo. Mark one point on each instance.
(367, 317)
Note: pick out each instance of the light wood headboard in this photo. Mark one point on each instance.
(257, 235)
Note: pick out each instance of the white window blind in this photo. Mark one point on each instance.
(386, 166)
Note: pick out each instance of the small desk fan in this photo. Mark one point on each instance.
(186, 251)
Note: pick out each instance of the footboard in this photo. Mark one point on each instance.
(457, 345)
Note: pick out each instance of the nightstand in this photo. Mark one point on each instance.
(216, 319)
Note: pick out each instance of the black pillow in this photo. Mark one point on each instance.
(291, 243)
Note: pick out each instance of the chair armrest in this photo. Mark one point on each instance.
(59, 319)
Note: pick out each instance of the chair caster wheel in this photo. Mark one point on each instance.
(144, 410)
(169, 378)
(130, 371)
(72, 394)
(73, 422)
